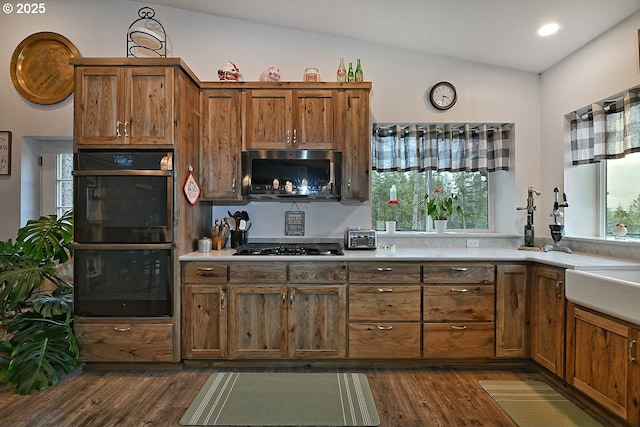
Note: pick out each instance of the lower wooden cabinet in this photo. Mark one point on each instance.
(548, 308)
(512, 311)
(382, 340)
(126, 341)
(204, 329)
(602, 361)
(458, 340)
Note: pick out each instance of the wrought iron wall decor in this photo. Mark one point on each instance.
(146, 36)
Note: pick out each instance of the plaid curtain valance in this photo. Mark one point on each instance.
(441, 147)
(606, 130)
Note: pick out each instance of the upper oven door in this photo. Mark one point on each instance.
(123, 197)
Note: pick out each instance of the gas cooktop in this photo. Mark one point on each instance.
(290, 249)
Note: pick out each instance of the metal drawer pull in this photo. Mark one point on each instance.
(384, 269)
(121, 329)
(385, 290)
(459, 269)
(221, 300)
(463, 290)
(632, 343)
(458, 328)
(205, 268)
(384, 328)
(118, 124)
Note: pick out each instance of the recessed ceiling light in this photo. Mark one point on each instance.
(548, 29)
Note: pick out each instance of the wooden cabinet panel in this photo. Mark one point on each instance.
(512, 311)
(317, 321)
(258, 272)
(381, 272)
(125, 342)
(548, 318)
(205, 322)
(313, 119)
(221, 144)
(459, 303)
(204, 272)
(124, 105)
(317, 272)
(269, 120)
(355, 143)
(458, 273)
(257, 321)
(384, 303)
(384, 340)
(458, 340)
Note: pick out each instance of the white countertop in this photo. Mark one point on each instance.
(578, 261)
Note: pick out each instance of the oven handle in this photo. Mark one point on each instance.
(121, 246)
(127, 172)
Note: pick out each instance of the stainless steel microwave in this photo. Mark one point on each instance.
(315, 174)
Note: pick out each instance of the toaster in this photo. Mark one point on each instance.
(356, 238)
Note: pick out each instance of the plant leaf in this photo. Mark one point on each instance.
(48, 237)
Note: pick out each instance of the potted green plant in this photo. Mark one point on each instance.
(37, 344)
(440, 207)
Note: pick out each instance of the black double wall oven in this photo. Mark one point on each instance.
(123, 233)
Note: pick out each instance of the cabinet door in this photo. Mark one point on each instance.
(313, 119)
(258, 321)
(355, 144)
(600, 359)
(98, 105)
(148, 116)
(268, 119)
(205, 322)
(548, 321)
(221, 144)
(512, 321)
(317, 321)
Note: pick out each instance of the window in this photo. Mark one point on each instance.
(56, 178)
(472, 189)
(622, 196)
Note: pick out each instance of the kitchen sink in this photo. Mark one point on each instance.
(614, 292)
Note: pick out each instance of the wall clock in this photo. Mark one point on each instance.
(443, 95)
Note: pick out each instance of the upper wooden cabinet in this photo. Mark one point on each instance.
(220, 146)
(124, 105)
(290, 119)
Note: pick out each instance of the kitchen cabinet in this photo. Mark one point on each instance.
(548, 309)
(384, 310)
(220, 145)
(355, 143)
(121, 340)
(602, 361)
(290, 118)
(205, 310)
(458, 311)
(124, 105)
(512, 311)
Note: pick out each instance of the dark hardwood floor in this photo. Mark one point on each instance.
(448, 397)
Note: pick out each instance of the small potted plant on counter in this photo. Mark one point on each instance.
(440, 207)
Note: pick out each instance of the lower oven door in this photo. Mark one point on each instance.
(123, 280)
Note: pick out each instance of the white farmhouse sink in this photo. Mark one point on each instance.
(613, 292)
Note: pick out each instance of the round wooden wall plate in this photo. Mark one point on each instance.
(40, 69)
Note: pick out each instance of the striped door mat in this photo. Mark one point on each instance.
(283, 399)
(536, 404)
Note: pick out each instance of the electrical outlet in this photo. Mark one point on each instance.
(473, 243)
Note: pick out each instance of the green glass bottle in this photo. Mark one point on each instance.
(359, 76)
(350, 76)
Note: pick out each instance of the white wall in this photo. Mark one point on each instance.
(604, 67)
(400, 79)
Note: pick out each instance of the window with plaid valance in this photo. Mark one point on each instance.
(608, 129)
(441, 147)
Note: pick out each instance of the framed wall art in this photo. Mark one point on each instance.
(5, 152)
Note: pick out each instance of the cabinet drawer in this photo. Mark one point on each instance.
(125, 342)
(459, 302)
(377, 272)
(258, 272)
(458, 340)
(458, 273)
(317, 272)
(204, 272)
(384, 340)
(385, 303)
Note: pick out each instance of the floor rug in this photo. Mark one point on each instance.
(536, 404)
(283, 399)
